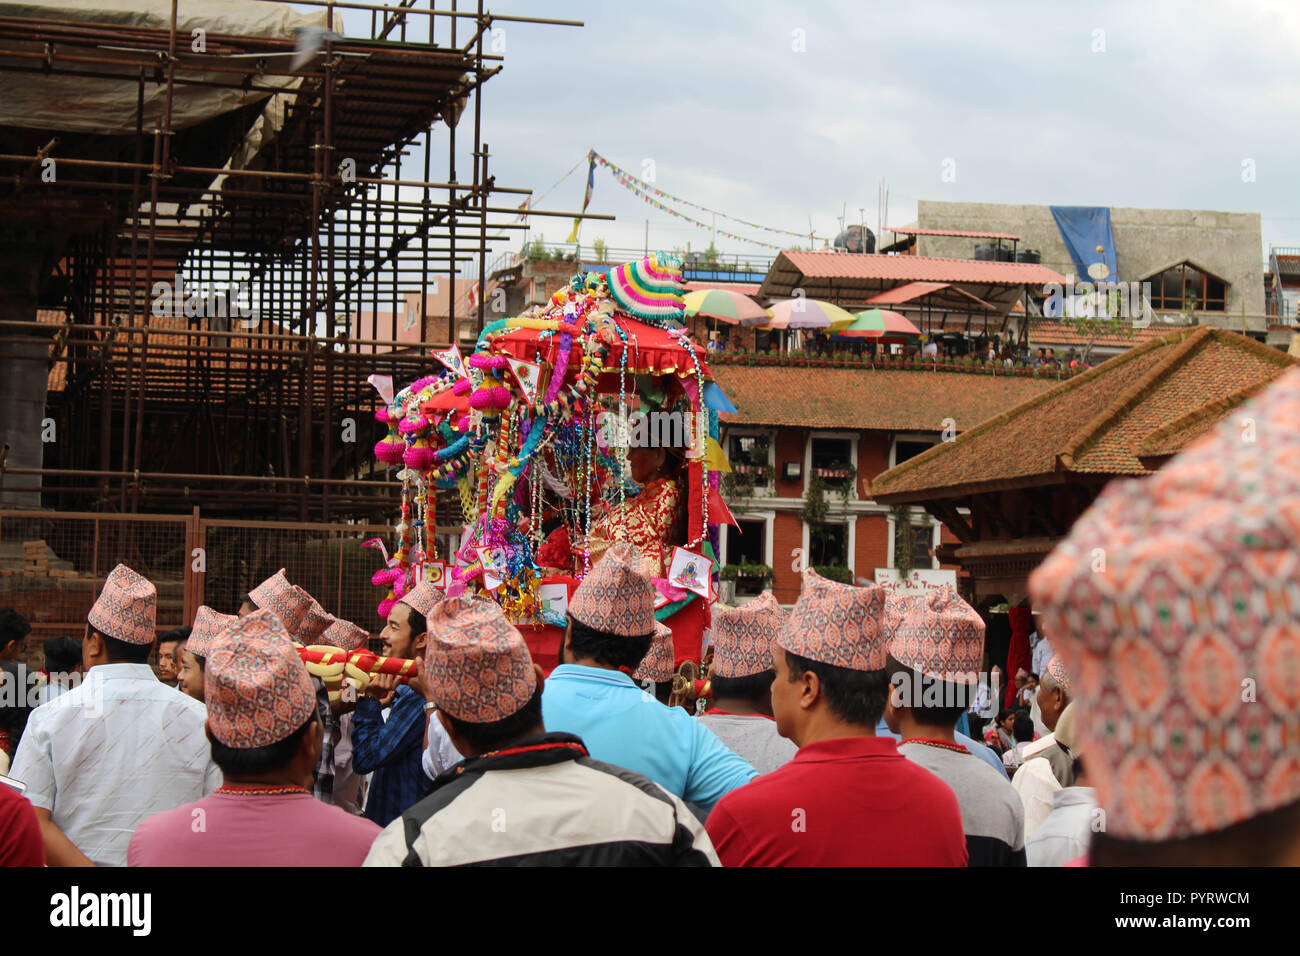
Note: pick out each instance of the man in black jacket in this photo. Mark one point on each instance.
(555, 806)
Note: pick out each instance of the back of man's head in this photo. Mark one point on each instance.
(62, 655)
(13, 627)
(124, 652)
(852, 696)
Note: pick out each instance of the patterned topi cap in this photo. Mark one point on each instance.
(743, 636)
(617, 596)
(897, 604)
(837, 624)
(345, 635)
(126, 608)
(207, 625)
(275, 584)
(940, 636)
(422, 598)
(1167, 601)
(315, 622)
(256, 687)
(657, 665)
(1056, 667)
(480, 670)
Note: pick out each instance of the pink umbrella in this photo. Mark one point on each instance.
(877, 323)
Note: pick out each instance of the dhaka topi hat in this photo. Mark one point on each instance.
(422, 598)
(479, 667)
(345, 635)
(315, 623)
(618, 595)
(275, 584)
(255, 685)
(837, 624)
(207, 625)
(127, 607)
(940, 636)
(657, 665)
(743, 636)
(1174, 604)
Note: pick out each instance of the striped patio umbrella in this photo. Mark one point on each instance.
(877, 323)
(808, 314)
(725, 306)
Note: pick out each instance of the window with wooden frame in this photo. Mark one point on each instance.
(751, 456)
(828, 545)
(1186, 288)
(832, 461)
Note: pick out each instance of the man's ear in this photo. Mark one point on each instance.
(811, 691)
(541, 674)
(312, 742)
(419, 644)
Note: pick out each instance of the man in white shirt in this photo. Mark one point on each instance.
(1047, 765)
(1066, 834)
(119, 748)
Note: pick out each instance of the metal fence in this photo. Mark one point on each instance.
(52, 565)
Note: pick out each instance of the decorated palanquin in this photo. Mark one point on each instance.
(584, 422)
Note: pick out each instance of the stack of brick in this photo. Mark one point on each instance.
(36, 558)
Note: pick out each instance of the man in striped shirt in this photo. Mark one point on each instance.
(522, 796)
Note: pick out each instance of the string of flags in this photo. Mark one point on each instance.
(651, 193)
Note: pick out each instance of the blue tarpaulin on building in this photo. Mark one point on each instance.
(1084, 228)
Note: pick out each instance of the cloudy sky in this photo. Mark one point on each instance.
(781, 113)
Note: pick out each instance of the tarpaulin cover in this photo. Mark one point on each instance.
(93, 104)
(1083, 229)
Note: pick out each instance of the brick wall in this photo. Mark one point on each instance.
(789, 447)
(787, 536)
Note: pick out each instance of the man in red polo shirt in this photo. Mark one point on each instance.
(848, 798)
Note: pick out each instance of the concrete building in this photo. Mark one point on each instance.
(1215, 257)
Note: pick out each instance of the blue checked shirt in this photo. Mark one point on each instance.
(391, 749)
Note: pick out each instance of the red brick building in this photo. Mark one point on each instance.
(841, 424)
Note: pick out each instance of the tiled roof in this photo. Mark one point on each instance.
(1095, 423)
(1047, 332)
(864, 398)
(1169, 439)
(849, 265)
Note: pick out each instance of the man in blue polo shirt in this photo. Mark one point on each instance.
(591, 693)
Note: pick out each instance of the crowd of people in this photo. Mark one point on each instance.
(1157, 726)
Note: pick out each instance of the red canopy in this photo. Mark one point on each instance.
(651, 350)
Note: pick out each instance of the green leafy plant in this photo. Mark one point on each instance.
(600, 249)
(904, 540)
(833, 572)
(814, 508)
(759, 572)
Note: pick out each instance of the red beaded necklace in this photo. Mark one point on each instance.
(931, 742)
(237, 790)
